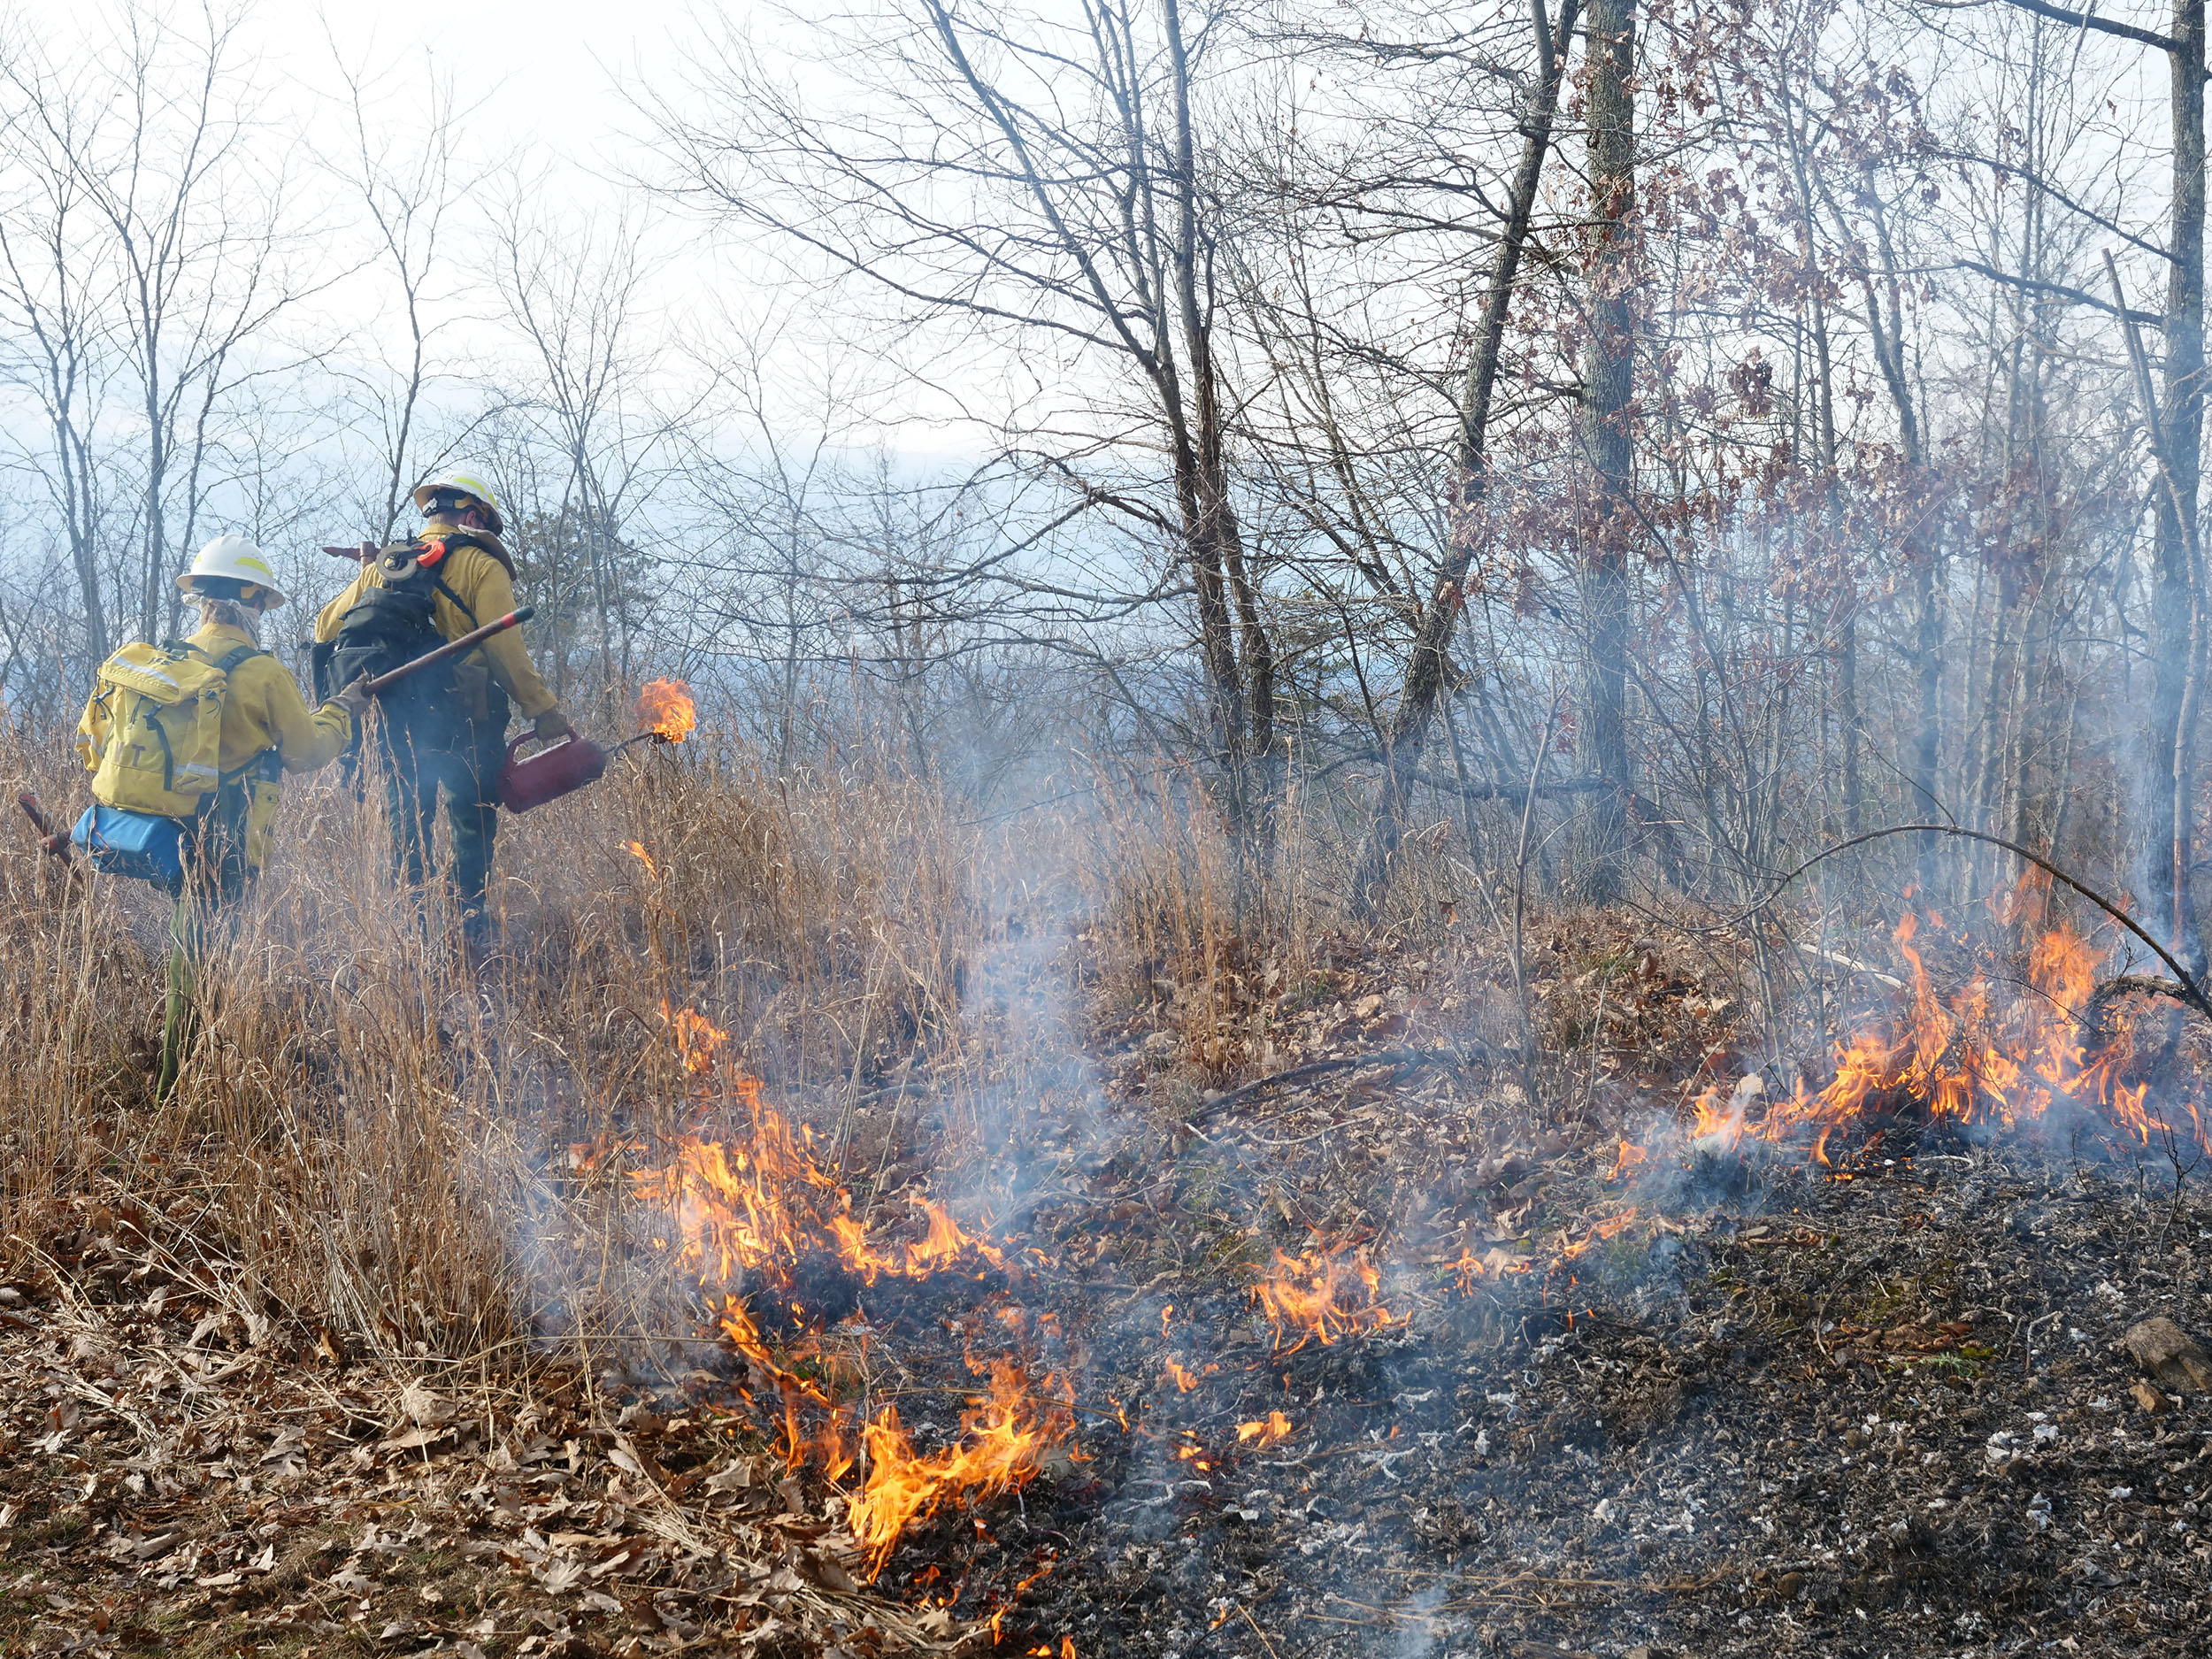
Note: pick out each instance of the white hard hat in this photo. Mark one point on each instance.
(240, 560)
(462, 482)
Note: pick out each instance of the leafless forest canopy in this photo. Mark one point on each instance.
(1628, 444)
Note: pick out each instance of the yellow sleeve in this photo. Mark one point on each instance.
(490, 594)
(305, 740)
(327, 619)
(92, 731)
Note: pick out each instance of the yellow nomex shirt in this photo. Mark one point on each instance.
(484, 586)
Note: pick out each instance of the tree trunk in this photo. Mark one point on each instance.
(1608, 379)
(1433, 635)
(1239, 655)
(2174, 580)
(1887, 332)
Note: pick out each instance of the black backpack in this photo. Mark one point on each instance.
(391, 625)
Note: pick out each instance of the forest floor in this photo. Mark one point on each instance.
(1556, 1405)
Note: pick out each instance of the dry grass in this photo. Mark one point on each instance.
(369, 1138)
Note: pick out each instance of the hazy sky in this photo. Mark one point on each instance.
(546, 66)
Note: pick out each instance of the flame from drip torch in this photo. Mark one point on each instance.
(665, 709)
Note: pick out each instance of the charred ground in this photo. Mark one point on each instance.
(1883, 1407)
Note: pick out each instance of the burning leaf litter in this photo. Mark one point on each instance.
(1983, 1057)
(1509, 1381)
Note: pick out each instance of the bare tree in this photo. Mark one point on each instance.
(1426, 677)
(58, 345)
(159, 187)
(572, 293)
(402, 170)
(1039, 188)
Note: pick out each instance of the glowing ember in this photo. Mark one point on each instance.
(664, 708)
(1007, 1435)
(1275, 1428)
(1320, 1297)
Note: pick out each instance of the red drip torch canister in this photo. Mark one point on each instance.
(550, 774)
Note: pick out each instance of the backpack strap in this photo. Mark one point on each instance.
(224, 663)
(428, 555)
(459, 603)
(228, 664)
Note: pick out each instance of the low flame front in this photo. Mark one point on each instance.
(1321, 1296)
(1974, 1059)
(745, 1212)
(1009, 1432)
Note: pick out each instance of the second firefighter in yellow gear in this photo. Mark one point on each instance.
(458, 549)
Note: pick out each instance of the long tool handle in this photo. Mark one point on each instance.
(451, 648)
(55, 844)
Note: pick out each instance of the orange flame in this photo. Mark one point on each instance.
(664, 708)
(1319, 1296)
(1008, 1434)
(1973, 1058)
(636, 850)
(1611, 1227)
(1184, 1379)
(750, 1209)
(1272, 1429)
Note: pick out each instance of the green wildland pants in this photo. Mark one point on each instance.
(206, 910)
(466, 769)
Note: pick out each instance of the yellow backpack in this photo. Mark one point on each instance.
(163, 705)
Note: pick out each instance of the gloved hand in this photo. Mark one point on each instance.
(354, 699)
(552, 726)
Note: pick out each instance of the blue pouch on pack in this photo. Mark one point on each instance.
(141, 845)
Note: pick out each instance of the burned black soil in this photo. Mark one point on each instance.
(1886, 1413)
(1729, 1401)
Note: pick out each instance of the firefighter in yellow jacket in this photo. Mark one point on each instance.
(457, 746)
(267, 730)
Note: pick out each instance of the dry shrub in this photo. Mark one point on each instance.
(1172, 921)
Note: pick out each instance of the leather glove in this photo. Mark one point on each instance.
(354, 699)
(552, 726)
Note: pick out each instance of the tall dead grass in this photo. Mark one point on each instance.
(428, 1163)
(372, 1139)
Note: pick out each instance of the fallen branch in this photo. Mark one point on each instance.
(1397, 1059)
(2111, 991)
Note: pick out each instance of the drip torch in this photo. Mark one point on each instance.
(55, 843)
(565, 766)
